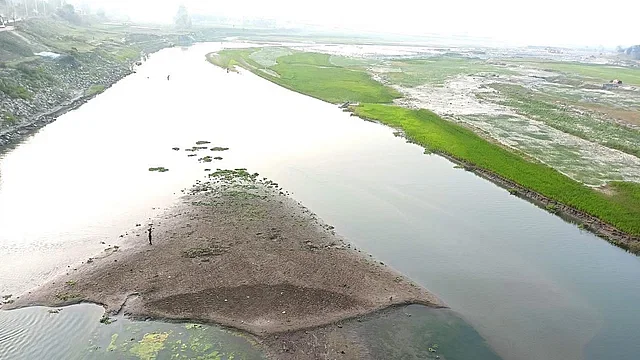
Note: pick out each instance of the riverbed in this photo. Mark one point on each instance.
(534, 286)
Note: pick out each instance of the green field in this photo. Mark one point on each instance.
(601, 73)
(437, 70)
(550, 110)
(313, 74)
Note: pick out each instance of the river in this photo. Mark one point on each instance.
(534, 286)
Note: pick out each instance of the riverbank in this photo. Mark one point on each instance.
(532, 181)
(612, 215)
(236, 251)
(49, 66)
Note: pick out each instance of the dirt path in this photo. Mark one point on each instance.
(236, 252)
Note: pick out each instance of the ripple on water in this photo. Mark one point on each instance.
(36, 333)
(75, 332)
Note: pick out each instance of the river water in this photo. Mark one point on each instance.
(534, 286)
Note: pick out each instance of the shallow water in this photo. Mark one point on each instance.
(75, 332)
(531, 284)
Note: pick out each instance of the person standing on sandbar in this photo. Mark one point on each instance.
(150, 228)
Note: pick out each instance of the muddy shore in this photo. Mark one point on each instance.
(235, 251)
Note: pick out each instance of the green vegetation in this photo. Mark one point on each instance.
(112, 344)
(13, 90)
(158, 169)
(436, 70)
(150, 345)
(545, 108)
(219, 148)
(602, 73)
(8, 118)
(106, 320)
(426, 128)
(228, 59)
(12, 48)
(350, 62)
(94, 90)
(267, 56)
(313, 74)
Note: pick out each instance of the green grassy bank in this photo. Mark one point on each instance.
(316, 75)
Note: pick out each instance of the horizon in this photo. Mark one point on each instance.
(549, 23)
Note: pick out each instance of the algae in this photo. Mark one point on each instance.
(150, 345)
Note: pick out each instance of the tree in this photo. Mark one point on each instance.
(68, 12)
(182, 19)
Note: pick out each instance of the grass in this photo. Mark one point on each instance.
(427, 129)
(603, 73)
(11, 88)
(12, 48)
(159, 169)
(545, 108)
(8, 118)
(94, 90)
(267, 56)
(313, 74)
(436, 70)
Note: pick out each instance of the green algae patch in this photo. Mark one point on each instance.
(112, 345)
(150, 345)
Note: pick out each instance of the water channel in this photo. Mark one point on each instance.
(532, 285)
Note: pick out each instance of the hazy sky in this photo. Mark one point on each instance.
(540, 22)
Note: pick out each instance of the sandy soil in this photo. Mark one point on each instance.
(235, 251)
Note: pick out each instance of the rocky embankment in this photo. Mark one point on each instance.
(48, 87)
(43, 73)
